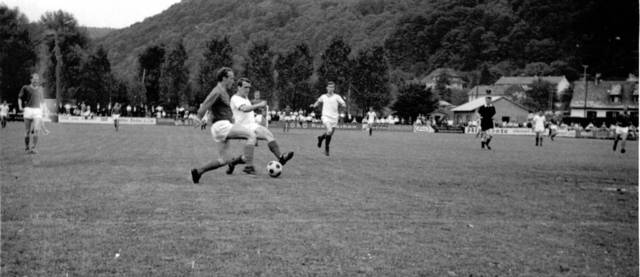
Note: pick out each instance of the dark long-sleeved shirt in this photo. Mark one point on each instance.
(217, 103)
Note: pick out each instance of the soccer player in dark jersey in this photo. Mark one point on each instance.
(115, 114)
(623, 122)
(30, 101)
(486, 122)
(222, 128)
(288, 118)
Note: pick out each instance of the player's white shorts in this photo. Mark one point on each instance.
(32, 113)
(251, 127)
(288, 118)
(538, 129)
(115, 116)
(329, 122)
(220, 130)
(622, 130)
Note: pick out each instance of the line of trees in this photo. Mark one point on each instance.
(484, 39)
(76, 70)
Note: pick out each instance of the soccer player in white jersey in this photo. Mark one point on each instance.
(330, 104)
(243, 115)
(538, 127)
(4, 113)
(371, 119)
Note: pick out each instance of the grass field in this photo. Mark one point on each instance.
(99, 203)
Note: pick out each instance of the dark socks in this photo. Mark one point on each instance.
(210, 166)
(248, 154)
(26, 143)
(327, 141)
(320, 139)
(274, 148)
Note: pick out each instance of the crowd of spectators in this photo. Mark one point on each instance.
(89, 111)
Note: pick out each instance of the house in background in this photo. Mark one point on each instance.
(442, 113)
(481, 91)
(507, 111)
(560, 82)
(605, 99)
(455, 79)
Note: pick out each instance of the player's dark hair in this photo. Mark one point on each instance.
(222, 73)
(242, 81)
(488, 91)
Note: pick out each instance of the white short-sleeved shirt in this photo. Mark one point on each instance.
(4, 110)
(240, 117)
(371, 117)
(330, 106)
(538, 123)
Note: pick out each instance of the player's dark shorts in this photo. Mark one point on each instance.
(486, 124)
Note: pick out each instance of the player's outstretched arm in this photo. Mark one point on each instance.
(316, 103)
(249, 108)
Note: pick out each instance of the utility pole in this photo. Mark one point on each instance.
(586, 88)
(58, 54)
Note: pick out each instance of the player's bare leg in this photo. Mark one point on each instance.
(239, 132)
(623, 142)
(27, 136)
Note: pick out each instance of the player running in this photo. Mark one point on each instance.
(538, 127)
(486, 122)
(288, 119)
(371, 119)
(30, 101)
(243, 114)
(553, 129)
(330, 104)
(115, 114)
(623, 122)
(222, 130)
(4, 113)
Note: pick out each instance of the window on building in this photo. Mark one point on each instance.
(505, 119)
(591, 114)
(611, 115)
(614, 98)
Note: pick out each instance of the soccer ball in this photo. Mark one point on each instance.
(274, 169)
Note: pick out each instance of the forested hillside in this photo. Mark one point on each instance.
(372, 49)
(281, 23)
(419, 35)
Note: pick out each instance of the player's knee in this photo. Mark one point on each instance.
(251, 138)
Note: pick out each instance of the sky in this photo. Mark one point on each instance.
(94, 13)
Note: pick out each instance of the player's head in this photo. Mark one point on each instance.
(331, 87)
(256, 94)
(487, 100)
(225, 76)
(244, 86)
(371, 109)
(35, 79)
